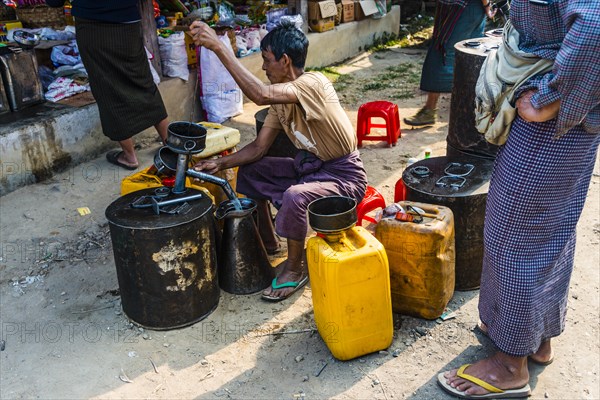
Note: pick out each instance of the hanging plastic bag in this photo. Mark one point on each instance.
(174, 56)
(221, 96)
(65, 55)
(155, 76)
(381, 9)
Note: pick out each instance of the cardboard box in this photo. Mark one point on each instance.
(190, 48)
(364, 8)
(321, 15)
(6, 26)
(347, 10)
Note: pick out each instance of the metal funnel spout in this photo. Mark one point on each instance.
(217, 181)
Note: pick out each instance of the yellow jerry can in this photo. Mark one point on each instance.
(421, 257)
(147, 179)
(220, 140)
(349, 278)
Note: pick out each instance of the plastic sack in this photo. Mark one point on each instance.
(52, 34)
(71, 71)
(221, 96)
(174, 56)
(263, 31)
(381, 9)
(65, 55)
(252, 36)
(242, 46)
(226, 14)
(64, 87)
(294, 19)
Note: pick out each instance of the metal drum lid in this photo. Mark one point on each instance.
(449, 176)
(121, 213)
(478, 46)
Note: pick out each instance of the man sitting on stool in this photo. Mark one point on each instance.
(306, 107)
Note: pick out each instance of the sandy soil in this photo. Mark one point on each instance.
(65, 335)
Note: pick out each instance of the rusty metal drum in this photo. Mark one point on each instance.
(244, 266)
(19, 70)
(463, 137)
(166, 263)
(461, 184)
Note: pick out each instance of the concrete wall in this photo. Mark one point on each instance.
(41, 140)
(34, 148)
(48, 138)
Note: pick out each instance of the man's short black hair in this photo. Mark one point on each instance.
(287, 39)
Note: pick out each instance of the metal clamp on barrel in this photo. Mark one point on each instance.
(147, 201)
(158, 204)
(451, 180)
(420, 171)
(468, 169)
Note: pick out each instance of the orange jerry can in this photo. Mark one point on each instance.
(420, 247)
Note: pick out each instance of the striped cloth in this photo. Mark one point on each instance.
(568, 32)
(453, 23)
(536, 195)
(447, 15)
(113, 55)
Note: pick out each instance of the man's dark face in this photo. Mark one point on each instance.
(273, 68)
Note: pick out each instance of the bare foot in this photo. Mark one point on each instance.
(544, 355)
(127, 160)
(500, 370)
(290, 272)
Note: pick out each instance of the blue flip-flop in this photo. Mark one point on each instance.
(296, 285)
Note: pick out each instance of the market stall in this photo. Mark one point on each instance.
(68, 131)
(49, 45)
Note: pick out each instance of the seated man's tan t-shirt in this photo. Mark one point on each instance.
(318, 123)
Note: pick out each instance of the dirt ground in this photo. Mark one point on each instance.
(65, 336)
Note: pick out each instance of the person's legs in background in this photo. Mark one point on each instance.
(128, 157)
(438, 68)
(162, 129)
(427, 115)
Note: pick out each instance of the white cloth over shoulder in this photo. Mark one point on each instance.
(502, 73)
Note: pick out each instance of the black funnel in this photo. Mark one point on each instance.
(244, 267)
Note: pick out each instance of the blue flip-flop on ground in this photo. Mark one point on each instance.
(296, 285)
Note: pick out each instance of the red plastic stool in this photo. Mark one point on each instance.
(378, 109)
(372, 200)
(399, 191)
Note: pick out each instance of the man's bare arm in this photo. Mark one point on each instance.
(253, 88)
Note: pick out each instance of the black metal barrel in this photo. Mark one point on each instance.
(4, 106)
(463, 137)
(282, 146)
(166, 263)
(461, 184)
(244, 266)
